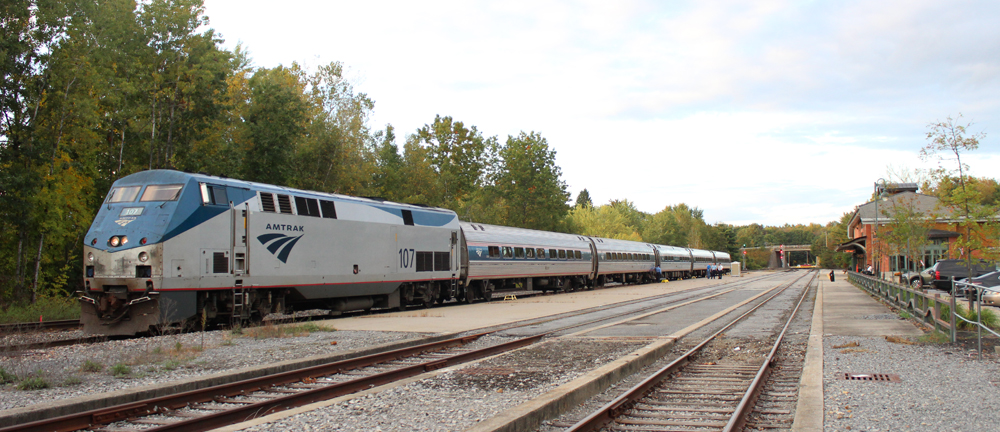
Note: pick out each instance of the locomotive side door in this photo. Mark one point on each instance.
(240, 232)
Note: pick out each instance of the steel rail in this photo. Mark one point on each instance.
(749, 400)
(88, 419)
(43, 325)
(627, 400)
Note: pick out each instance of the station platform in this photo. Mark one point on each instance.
(841, 309)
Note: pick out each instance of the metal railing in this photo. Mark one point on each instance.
(923, 306)
(966, 287)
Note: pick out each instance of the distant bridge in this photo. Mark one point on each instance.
(776, 260)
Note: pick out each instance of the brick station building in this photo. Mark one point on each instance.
(869, 245)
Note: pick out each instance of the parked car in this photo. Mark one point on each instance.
(939, 275)
(989, 280)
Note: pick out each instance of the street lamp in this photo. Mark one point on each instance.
(876, 259)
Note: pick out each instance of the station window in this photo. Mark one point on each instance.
(530, 252)
(519, 252)
(307, 206)
(562, 253)
(578, 255)
(329, 209)
(494, 251)
(508, 252)
(161, 193)
(540, 252)
(123, 194)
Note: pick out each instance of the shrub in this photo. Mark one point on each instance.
(91, 366)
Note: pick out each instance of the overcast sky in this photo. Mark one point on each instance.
(755, 111)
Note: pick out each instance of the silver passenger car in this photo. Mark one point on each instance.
(499, 257)
(675, 262)
(623, 261)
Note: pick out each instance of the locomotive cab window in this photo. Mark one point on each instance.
(161, 193)
(123, 194)
(214, 195)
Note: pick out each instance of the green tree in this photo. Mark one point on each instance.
(583, 199)
(978, 227)
(276, 122)
(529, 183)
(458, 156)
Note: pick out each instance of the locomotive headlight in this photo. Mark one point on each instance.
(143, 256)
(115, 241)
(124, 240)
(90, 256)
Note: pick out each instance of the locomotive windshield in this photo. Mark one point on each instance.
(161, 193)
(123, 194)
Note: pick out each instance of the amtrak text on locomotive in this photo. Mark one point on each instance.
(282, 227)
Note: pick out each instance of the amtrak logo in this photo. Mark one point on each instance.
(281, 245)
(124, 222)
(479, 252)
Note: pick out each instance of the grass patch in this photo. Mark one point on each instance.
(271, 331)
(172, 364)
(899, 340)
(49, 308)
(72, 381)
(91, 366)
(905, 315)
(847, 345)
(121, 370)
(33, 383)
(6, 377)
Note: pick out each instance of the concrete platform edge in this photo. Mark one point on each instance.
(87, 403)
(573, 393)
(809, 409)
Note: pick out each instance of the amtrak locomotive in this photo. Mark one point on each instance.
(169, 248)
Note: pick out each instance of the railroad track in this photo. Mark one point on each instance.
(221, 405)
(717, 395)
(38, 326)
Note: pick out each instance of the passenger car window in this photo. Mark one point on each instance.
(519, 252)
(508, 252)
(562, 253)
(530, 252)
(552, 253)
(494, 251)
(578, 255)
(161, 193)
(123, 194)
(541, 253)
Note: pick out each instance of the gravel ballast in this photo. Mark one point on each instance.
(944, 387)
(82, 370)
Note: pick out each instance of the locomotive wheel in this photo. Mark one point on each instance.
(486, 294)
(467, 296)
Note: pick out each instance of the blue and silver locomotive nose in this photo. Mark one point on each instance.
(124, 248)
